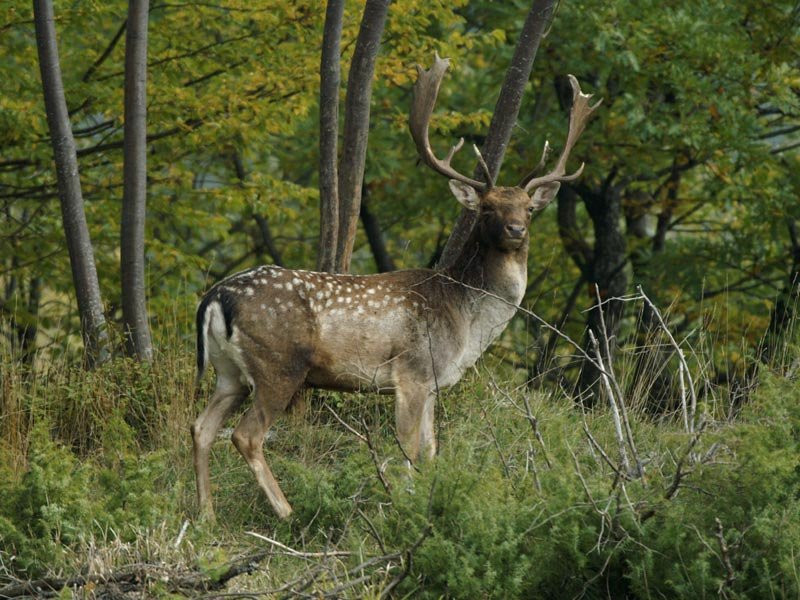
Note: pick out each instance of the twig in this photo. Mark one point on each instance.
(613, 378)
(536, 433)
(681, 357)
(623, 454)
(375, 460)
(730, 573)
(496, 442)
(182, 532)
(602, 452)
(298, 553)
(344, 423)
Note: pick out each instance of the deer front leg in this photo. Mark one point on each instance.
(414, 417)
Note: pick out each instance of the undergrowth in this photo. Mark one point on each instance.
(96, 475)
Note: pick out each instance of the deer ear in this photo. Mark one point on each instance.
(544, 194)
(465, 194)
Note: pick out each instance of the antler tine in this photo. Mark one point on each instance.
(545, 153)
(484, 166)
(426, 90)
(578, 117)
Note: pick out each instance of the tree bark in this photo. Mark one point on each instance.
(607, 278)
(79, 245)
(356, 127)
(383, 260)
(136, 327)
(505, 115)
(328, 137)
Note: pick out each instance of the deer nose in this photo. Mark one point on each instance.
(515, 231)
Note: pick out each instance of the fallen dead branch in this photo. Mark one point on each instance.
(135, 579)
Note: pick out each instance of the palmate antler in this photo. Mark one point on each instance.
(578, 117)
(426, 89)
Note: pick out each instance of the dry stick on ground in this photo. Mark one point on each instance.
(292, 552)
(135, 579)
(681, 358)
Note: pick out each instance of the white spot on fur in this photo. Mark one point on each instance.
(278, 286)
(289, 287)
(249, 291)
(371, 291)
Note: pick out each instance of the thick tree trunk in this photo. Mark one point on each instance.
(652, 378)
(356, 127)
(772, 349)
(505, 115)
(79, 246)
(136, 327)
(607, 278)
(328, 137)
(383, 260)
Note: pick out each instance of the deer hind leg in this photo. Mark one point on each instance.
(248, 437)
(414, 419)
(227, 397)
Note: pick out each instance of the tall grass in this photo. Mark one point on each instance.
(527, 497)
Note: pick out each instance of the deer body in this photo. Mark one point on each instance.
(274, 331)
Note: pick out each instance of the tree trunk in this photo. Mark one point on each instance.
(383, 260)
(79, 246)
(607, 278)
(136, 327)
(505, 115)
(328, 137)
(356, 127)
(267, 240)
(772, 348)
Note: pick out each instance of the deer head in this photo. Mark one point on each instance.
(504, 212)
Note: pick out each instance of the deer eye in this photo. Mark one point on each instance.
(530, 210)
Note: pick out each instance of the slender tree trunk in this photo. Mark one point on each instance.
(356, 127)
(328, 137)
(505, 115)
(134, 198)
(267, 240)
(383, 260)
(81, 255)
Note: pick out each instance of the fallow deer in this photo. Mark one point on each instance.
(273, 331)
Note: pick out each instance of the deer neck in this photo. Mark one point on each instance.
(490, 272)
